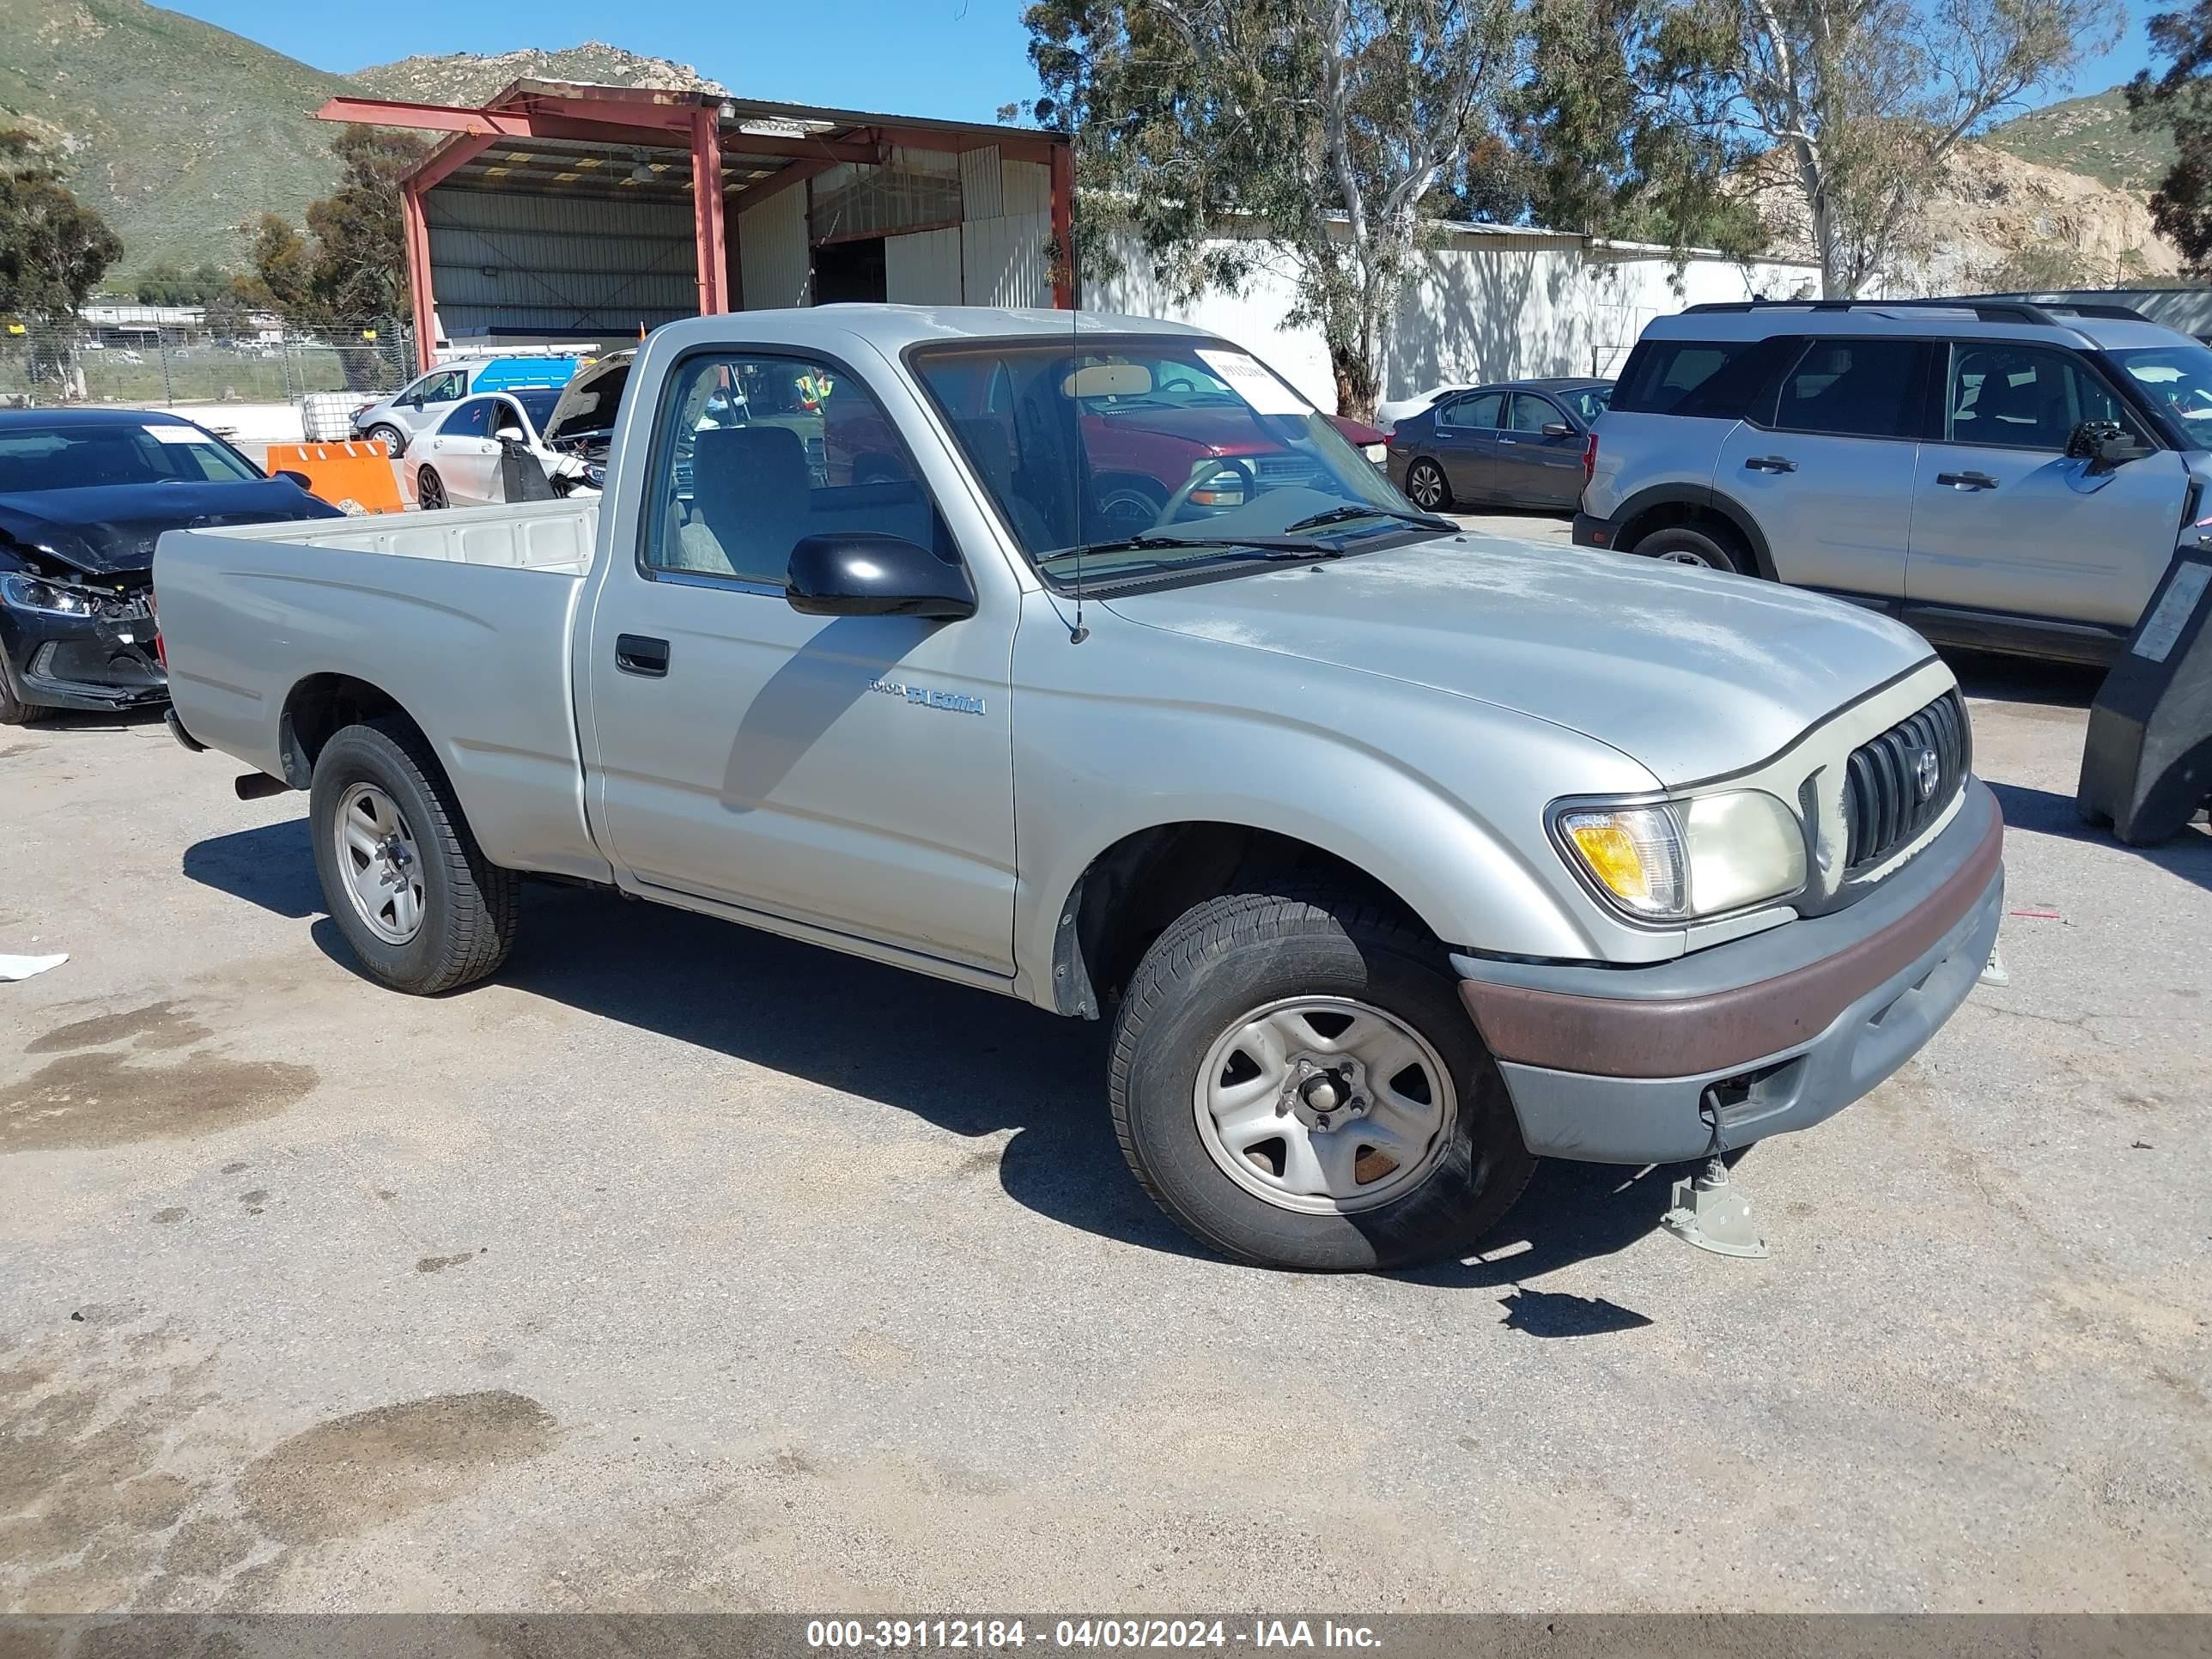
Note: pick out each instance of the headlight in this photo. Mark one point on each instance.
(1377, 453)
(29, 593)
(1676, 860)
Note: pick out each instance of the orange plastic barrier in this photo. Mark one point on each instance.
(357, 474)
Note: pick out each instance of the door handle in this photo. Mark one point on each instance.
(1770, 464)
(1967, 480)
(636, 653)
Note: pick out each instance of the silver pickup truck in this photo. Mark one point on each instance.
(1081, 659)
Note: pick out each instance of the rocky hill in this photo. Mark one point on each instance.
(2091, 135)
(471, 78)
(1996, 222)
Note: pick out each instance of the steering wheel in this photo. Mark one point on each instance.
(1204, 473)
(1185, 383)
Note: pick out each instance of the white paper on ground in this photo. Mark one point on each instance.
(15, 967)
(1254, 382)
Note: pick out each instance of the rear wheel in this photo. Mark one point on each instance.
(1697, 544)
(430, 490)
(403, 877)
(1295, 1082)
(1426, 485)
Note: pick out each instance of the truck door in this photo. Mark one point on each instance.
(1827, 472)
(2003, 520)
(855, 773)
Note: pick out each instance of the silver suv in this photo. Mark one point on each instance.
(2000, 475)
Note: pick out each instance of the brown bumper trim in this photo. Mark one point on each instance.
(1609, 1037)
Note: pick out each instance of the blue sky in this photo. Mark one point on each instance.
(955, 59)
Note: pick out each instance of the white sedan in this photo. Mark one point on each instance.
(1392, 411)
(461, 461)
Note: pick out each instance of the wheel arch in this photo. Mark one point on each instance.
(1135, 888)
(1663, 506)
(319, 706)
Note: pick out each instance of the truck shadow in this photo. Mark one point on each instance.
(971, 1063)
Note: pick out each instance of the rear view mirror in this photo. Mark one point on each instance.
(1108, 381)
(1558, 430)
(858, 574)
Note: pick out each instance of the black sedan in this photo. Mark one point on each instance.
(1518, 443)
(83, 495)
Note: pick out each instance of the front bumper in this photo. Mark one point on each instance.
(1591, 531)
(85, 663)
(1771, 1033)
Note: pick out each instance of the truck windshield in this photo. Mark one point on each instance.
(2177, 380)
(1149, 453)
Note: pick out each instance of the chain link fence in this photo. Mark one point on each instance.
(110, 356)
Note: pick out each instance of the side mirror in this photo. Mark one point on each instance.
(858, 575)
(1558, 430)
(510, 435)
(298, 480)
(2104, 444)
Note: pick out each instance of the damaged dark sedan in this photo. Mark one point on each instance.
(84, 494)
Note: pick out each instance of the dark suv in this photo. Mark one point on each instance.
(1997, 474)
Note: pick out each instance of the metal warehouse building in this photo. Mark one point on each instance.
(565, 210)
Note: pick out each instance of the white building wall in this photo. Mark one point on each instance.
(1002, 260)
(1488, 306)
(923, 268)
(774, 265)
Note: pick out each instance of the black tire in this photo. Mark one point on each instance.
(14, 709)
(1702, 544)
(470, 904)
(392, 436)
(430, 491)
(1427, 488)
(1231, 956)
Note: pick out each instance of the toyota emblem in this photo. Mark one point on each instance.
(1927, 771)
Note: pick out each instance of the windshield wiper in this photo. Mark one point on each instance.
(1345, 515)
(1265, 546)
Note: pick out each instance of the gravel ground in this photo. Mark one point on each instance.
(682, 1267)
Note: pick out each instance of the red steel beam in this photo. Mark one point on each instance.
(418, 238)
(456, 153)
(1063, 226)
(706, 213)
(793, 173)
(642, 125)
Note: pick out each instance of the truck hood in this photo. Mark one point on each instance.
(1691, 672)
(106, 530)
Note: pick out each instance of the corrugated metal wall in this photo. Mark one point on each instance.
(551, 265)
(774, 264)
(1003, 260)
(923, 268)
(981, 184)
(1027, 188)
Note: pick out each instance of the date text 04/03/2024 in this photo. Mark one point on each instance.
(897, 1634)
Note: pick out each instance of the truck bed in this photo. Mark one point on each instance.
(462, 619)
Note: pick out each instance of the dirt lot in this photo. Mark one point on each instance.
(685, 1268)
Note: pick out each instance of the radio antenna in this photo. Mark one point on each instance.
(1078, 633)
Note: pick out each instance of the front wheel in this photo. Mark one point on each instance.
(403, 877)
(1425, 483)
(1294, 1081)
(391, 437)
(1693, 544)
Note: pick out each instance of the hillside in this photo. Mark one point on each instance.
(2090, 136)
(1994, 221)
(175, 131)
(469, 78)
(178, 132)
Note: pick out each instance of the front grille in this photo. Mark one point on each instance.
(1883, 805)
(1283, 471)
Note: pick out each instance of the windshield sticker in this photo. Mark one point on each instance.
(178, 434)
(1254, 384)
